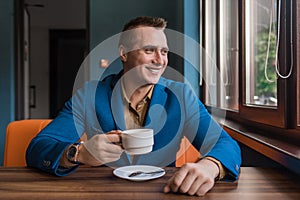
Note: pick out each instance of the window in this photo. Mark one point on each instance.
(227, 76)
(210, 70)
(229, 50)
(250, 44)
(260, 52)
(264, 41)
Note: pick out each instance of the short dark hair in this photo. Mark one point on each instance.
(156, 22)
(143, 21)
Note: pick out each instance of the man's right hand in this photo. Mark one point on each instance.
(101, 149)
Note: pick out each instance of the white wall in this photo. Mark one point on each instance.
(56, 14)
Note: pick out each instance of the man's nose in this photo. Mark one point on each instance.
(158, 59)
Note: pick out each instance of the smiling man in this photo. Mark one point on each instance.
(138, 97)
(144, 60)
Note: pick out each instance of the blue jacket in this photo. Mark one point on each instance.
(174, 111)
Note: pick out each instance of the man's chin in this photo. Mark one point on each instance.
(152, 82)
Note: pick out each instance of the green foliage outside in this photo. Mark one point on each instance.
(263, 86)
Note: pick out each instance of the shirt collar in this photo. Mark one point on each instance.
(126, 99)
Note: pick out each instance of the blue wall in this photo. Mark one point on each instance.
(6, 70)
(192, 46)
(107, 18)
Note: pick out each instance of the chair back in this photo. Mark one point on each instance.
(20, 133)
(18, 136)
(187, 153)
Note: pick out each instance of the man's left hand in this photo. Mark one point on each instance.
(194, 178)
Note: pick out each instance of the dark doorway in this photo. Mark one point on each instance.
(67, 50)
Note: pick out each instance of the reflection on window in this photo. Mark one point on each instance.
(211, 70)
(229, 54)
(261, 41)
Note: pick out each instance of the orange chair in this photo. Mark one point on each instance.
(186, 153)
(18, 136)
(20, 133)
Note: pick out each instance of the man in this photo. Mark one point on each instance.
(138, 97)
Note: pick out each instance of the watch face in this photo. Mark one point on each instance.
(71, 152)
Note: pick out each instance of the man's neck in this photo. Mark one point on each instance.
(135, 94)
(139, 94)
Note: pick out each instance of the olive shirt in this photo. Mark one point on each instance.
(135, 117)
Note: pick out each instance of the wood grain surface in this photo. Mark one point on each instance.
(100, 183)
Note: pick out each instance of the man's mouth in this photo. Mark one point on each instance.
(154, 70)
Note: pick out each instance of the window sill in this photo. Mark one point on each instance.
(284, 151)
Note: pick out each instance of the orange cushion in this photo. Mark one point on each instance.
(20, 133)
(18, 136)
(186, 153)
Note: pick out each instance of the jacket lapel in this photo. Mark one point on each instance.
(116, 105)
(157, 107)
(112, 103)
(108, 104)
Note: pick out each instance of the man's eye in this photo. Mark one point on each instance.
(164, 52)
(149, 50)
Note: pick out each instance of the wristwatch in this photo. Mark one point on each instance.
(72, 153)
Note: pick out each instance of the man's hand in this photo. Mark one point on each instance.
(194, 178)
(100, 149)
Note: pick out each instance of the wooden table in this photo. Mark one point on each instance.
(100, 183)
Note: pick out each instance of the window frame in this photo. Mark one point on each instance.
(266, 115)
(283, 118)
(296, 48)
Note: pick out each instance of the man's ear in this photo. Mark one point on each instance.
(122, 52)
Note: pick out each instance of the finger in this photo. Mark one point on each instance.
(204, 188)
(108, 151)
(108, 155)
(118, 132)
(105, 157)
(100, 146)
(113, 138)
(187, 183)
(167, 189)
(113, 148)
(194, 188)
(176, 181)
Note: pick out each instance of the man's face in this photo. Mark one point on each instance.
(147, 57)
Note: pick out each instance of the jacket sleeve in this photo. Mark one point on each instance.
(45, 150)
(209, 137)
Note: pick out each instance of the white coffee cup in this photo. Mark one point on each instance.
(137, 141)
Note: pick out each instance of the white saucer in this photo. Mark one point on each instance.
(124, 172)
